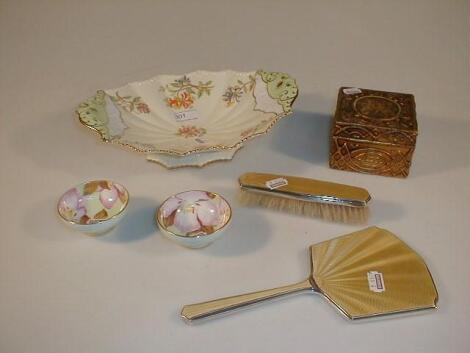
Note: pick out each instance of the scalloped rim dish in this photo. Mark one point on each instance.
(146, 114)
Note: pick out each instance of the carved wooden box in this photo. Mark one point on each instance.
(373, 132)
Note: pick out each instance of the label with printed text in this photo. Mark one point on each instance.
(376, 281)
(186, 115)
(276, 183)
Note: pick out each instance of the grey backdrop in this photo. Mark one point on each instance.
(61, 291)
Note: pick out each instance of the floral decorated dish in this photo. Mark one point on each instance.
(93, 207)
(194, 218)
(199, 112)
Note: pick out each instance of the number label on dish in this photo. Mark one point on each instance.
(186, 115)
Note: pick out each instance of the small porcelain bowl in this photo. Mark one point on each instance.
(94, 207)
(194, 218)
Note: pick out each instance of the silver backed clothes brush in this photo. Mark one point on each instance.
(314, 198)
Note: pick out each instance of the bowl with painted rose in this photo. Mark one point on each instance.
(194, 218)
(93, 207)
(190, 119)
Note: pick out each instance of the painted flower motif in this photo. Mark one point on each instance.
(109, 193)
(232, 95)
(108, 197)
(183, 92)
(130, 103)
(184, 100)
(72, 206)
(187, 131)
(192, 212)
(143, 108)
(102, 197)
(183, 81)
(122, 194)
(173, 102)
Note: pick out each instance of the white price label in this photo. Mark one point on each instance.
(352, 90)
(376, 281)
(186, 115)
(276, 183)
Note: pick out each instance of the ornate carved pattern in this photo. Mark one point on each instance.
(369, 133)
(372, 158)
(374, 132)
(377, 108)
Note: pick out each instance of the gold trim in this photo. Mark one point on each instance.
(157, 213)
(197, 150)
(188, 165)
(197, 165)
(273, 98)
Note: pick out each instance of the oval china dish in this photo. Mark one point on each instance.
(194, 218)
(93, 207)
(196, 113)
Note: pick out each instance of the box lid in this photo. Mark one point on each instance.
(377, 109)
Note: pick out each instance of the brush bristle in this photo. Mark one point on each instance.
(329, 212)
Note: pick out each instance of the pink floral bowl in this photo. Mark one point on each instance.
(194, 218)
(94, 207)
